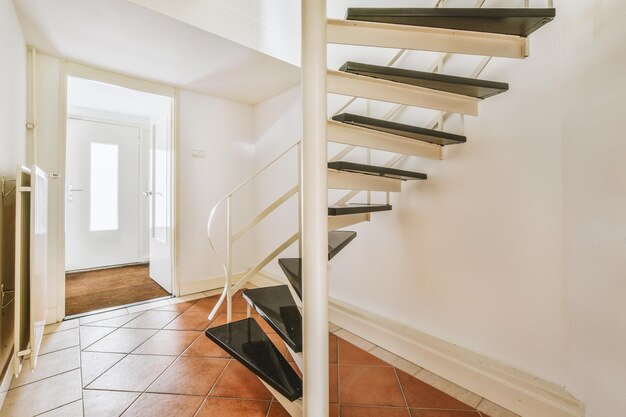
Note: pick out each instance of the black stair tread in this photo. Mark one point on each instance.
(245, 341)
(471, 87)
(374, 170)
(337, 240)
(506, 21)
(279, 310)
(292, 267)
(436, 137)
(342, 209)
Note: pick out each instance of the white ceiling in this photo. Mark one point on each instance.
(95, 95)
(121, 36)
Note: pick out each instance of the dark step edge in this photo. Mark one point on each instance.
(382, 15)
(357, 208)
(355, 67)
(294, 277)
(377, 171)
(334, 250)
(212, 333)
(251, 294)
(386, 125)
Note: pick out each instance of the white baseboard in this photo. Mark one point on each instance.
(524, 394)
(208, 284)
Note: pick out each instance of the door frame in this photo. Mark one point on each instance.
(70, 69)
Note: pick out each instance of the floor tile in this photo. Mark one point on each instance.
(333, 384)
(369, 385)
(74, 409)
(102, 316)
(442, 413)
(90, 335)
(133, 373)
(355, 340)
(221, 319)
(360, 411)
(168, 342)
(205, 305)
(239, 382)
(277, 410)
(449, 388)
(49, 365)
(203, 346)
(395, 360)
(190, 376)
(421, 395)
(50, 393)
(333, 342)
(226, 407)
(178, 307)
(190, 320)
(95, 364)
(152, 319)
(115, 321)
(350, 354)
(60, 340)
(164, 405)
(122, 341)
(148, 306)
(333, 410)
(106, 403)
(60, 326)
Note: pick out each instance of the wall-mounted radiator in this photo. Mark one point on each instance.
(31, 263)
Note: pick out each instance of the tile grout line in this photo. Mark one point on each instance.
(395, 372)
(212, 386)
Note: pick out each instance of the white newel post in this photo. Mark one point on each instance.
(315, 210)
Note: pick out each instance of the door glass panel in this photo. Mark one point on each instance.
(104, 187)
(160, 181)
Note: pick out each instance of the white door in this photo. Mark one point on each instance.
(102, 221)
(160, 198)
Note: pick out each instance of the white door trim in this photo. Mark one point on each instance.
(70, 69)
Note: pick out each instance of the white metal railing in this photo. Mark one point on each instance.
(232, 237)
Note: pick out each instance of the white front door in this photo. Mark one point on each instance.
(160, 198)
(102, 194)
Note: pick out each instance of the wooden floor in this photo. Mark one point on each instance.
(95, 290)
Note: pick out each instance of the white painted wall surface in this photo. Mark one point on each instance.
(593, 120)
(12, 90)
(224, 130)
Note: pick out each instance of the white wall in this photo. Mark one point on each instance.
(593, 91)
(12, 90)
(224, 130)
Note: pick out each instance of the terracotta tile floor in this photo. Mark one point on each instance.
(159, 363)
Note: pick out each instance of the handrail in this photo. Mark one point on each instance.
(227, 263)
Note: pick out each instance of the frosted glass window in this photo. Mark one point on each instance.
(104, 187)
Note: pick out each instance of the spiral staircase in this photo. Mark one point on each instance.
(474, 31)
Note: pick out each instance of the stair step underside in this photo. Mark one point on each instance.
(278, 309)
(506, 21)
(463, 86)
(245, 341)
(341, 209)
(381, 89)
(436, 137)
(337, 240)
(351, 134)
(385, 35)
(373, 170)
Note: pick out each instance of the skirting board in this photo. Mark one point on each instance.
(514, 390)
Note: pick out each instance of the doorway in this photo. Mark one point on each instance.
(118, 196)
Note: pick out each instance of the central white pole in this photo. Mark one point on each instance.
(314, 205)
